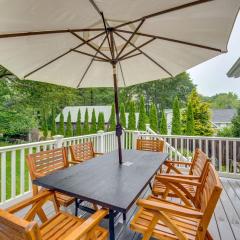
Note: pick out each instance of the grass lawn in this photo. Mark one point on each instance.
(8, 173)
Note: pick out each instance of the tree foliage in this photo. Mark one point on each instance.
(153, 118)
(189, 120)
(101, 121)
(132, 117)
(93, 122)
(86, 123)
(163, 124)
(53, 125)
(61, 128)
(176, 120)
(201, 114)
(44, 124)
(112, 120)
(122, 115)
(236, 124)
(69, 127)
(142, 115)
(78, 124)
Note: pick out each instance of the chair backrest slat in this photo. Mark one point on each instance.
(150, 145)
(82, 152)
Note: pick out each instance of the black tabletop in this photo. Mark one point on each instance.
(103, 181)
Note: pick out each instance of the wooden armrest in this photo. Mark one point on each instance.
(178, 162)
(179, 176)
(38, 175)
(169, 208)
(42, 195)
(177, 180)
(74, 162)
(98, 153)
(88, 225)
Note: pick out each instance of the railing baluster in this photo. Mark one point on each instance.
(213, 153)
(22, 170)
(227, 156)
(13, 174)
(220, 156)
(3, 176)
(234, 157)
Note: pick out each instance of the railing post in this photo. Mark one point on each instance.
(100, 142)
(134, 139)
(58, 141)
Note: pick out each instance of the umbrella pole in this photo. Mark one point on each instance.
(118, 126)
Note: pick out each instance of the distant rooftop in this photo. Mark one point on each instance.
(223, 115)
(235, 70)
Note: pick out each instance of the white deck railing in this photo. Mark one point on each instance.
(15, 182)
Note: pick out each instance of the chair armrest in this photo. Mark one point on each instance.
(29, 201)
(74, 162)
(88, 225)
(179, 176)
(177, 162)
(177, 180)
(169, 208)
(98, 153)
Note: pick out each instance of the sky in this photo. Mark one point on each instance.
(210, 77)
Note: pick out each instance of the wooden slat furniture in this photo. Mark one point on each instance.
(103, 182)
(150, 145)
(82, 152)
(162, 185)
(45, 162)
(61, 226)
(161, 219)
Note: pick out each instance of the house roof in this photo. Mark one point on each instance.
(223, 115)
(235, 70)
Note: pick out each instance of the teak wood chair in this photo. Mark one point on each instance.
(42, 163)
(150, 145)
(82, 152)
(162, 219)
(165, 183)
(61, 226)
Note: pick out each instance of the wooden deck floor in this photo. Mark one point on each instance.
(225, 224)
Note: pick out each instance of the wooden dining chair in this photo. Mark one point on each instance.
(166, 220)
(61, 226)
(164, 183)
(45, 162)
(156, 145)
(82, 152)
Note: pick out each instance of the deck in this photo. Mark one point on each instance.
(225, 223)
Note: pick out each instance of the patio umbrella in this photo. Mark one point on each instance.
(100, 43)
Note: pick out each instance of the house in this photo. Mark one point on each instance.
(235, 70)
(222, 117)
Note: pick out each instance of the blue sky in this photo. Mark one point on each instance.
(210, 76)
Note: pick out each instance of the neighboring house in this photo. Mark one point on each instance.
(235, 70)
(222, 117)
(74, 112)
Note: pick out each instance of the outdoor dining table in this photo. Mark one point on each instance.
(104, 182)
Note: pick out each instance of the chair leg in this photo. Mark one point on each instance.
(150, 185)
(76, 207)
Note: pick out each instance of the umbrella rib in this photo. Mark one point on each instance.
(131, 37)
(90, 64)
(89, 44)
(119, 61)
(180, 7)
(90, 55)
(172, 40)
(130, 56)
(125, 56)
(24, 34)
(60, 56)
(146, 55)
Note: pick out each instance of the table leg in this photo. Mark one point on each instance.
(76, 207)
(111, 225)
(124, 217)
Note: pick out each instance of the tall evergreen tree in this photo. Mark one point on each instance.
(163, 124)
(93, 122)
(153, 119)
(101, 121)
(78, 124)
(69, 128)
(236, 124)
(61, 129)
(112, 120)
(44, 125)
(53, 127)
(122, 115)
(190, 120)
(176, 120)
(86, 123)
(132, 117)
(142, 115)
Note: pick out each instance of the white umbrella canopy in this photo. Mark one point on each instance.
(90, 43)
